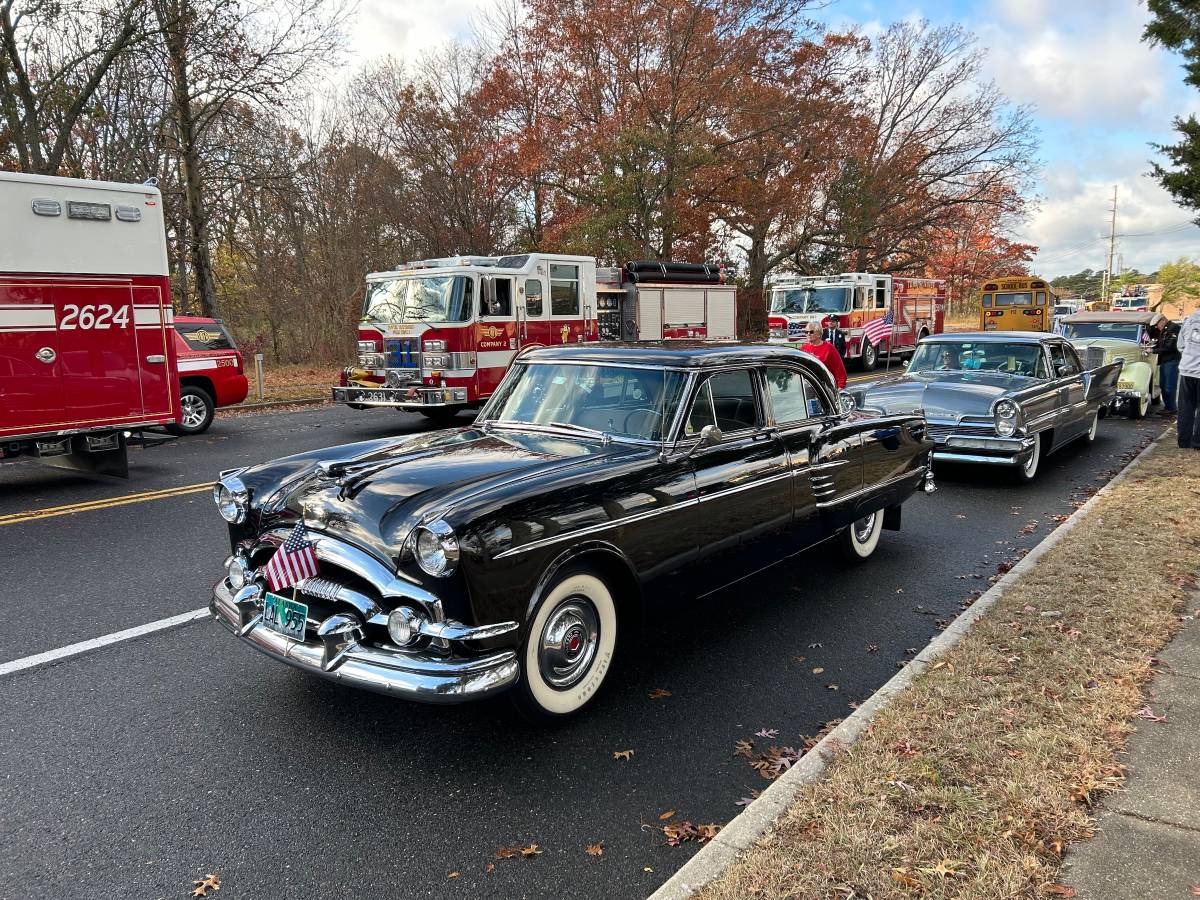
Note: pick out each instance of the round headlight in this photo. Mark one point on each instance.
(232, 499)
(238, 572)
(403, 626)
(1006, 418)
(436, 548)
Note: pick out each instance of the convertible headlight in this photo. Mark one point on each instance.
(1008, 416)
(437, 548)
(232, 499)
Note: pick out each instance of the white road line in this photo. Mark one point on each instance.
(41, 659)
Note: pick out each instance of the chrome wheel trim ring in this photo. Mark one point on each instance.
(861, 530)
(1031, 464)
(568, 642)
(1095, 425)
(194, 410)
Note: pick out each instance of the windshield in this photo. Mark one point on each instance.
(430, 298)
(1116, 331)
(980, 356)
(622, 402)
(810, 299)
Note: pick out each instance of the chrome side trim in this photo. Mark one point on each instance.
(942, 456)
(863, 491)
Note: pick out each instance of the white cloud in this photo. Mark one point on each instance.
(407, 29)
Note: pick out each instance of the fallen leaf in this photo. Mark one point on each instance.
(453, 875)
(901, 876)
(1196, 890)
(957, 516)
(818, 670)
(814, 646)
(666, 815)
(744, 748)
(1147, 713)
(622, 754)
(832, 687)
(767, 733)
(872, 648)
(491, 867)
(647, 869)
(595, 849)
(210, 882)
(659, 693)
(1060, 890)
(798, 659)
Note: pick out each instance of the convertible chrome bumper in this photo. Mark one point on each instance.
(995, 451)
(339, 656)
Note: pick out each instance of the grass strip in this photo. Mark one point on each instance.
(972, 782)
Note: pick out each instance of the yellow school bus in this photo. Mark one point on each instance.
(1023, 303)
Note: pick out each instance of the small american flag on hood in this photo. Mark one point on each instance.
(295, 560)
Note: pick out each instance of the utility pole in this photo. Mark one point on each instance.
(1112, 241)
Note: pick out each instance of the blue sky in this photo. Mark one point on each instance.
(1100, 98)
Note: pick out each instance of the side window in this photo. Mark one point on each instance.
(1073, 358)
(733, 400)
(1060, 358)
(702, 411)
(564, 290)
(1040, 370)
(880, 298)
(787, 391)
(501, 305)
(533, 297)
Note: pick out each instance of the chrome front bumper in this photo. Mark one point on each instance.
(995, 451)
(339, 656)
(402, 397)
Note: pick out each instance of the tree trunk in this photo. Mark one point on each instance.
(173, 16)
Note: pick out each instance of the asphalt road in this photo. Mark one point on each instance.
(137, 768)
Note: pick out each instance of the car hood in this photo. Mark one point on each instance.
(374, 494)
(941, 395)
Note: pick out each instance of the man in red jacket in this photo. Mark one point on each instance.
(825, 352)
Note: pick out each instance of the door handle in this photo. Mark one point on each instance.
(47, 355)
(156, 358)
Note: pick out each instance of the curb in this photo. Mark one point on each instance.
(740, 834)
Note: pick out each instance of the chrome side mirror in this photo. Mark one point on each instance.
(846, 404)
(710, 436)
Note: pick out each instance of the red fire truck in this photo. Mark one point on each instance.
(866, 316)
(437, 336)
(87, 351)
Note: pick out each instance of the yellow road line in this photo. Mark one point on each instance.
(104, 503)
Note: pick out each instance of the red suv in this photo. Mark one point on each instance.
(211, 373)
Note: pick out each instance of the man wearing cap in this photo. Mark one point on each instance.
(825, 352)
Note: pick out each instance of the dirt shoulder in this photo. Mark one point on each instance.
(973, 781)
(291, 382)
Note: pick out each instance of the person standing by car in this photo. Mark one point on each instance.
(1168, 366)
(1187, 426)
(825, 352)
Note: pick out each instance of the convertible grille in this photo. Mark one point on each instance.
(938, 431)
(1093, 357)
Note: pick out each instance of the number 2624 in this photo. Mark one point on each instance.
(94, 316)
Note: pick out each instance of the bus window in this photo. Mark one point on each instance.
(987, 299)
(1011, 298)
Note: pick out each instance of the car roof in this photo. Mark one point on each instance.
(669, 354)
(991, 337)
(1115, 316)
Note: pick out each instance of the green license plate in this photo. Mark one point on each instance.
(287, 617)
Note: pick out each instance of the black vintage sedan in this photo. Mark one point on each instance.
(1001, 398)
(508, 554)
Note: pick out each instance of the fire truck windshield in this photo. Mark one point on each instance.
(427, 298)
(810, 300)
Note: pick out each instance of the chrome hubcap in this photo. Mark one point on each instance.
(568, 642)
(194, 411)
(863, 528)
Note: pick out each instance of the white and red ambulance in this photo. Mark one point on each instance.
(87, 350)
(437, 336)
(867, 316)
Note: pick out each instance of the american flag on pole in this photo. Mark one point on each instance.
(877, 329)
(295, 560)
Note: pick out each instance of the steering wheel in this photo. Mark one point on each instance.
(651, 422)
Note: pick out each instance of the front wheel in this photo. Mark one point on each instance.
(441, 415)
(568, 648)
(1140, 407)
(197, 409)
(870, 356)
(1025, 472)
(1091, 432)
(861, 538)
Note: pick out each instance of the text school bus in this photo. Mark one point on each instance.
(1016, 304)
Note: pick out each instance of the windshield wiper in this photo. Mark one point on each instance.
(580, 429)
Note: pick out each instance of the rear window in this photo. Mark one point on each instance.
(206, 336)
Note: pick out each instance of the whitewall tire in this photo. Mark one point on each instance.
(1090, 436)
(1028, 470)
(860, 539)
(568, 649)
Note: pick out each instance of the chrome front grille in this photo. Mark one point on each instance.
(1093, 357)
(938, 432)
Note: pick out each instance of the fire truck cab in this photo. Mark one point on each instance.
(437, 336)
(865, 315)
(87, 351)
